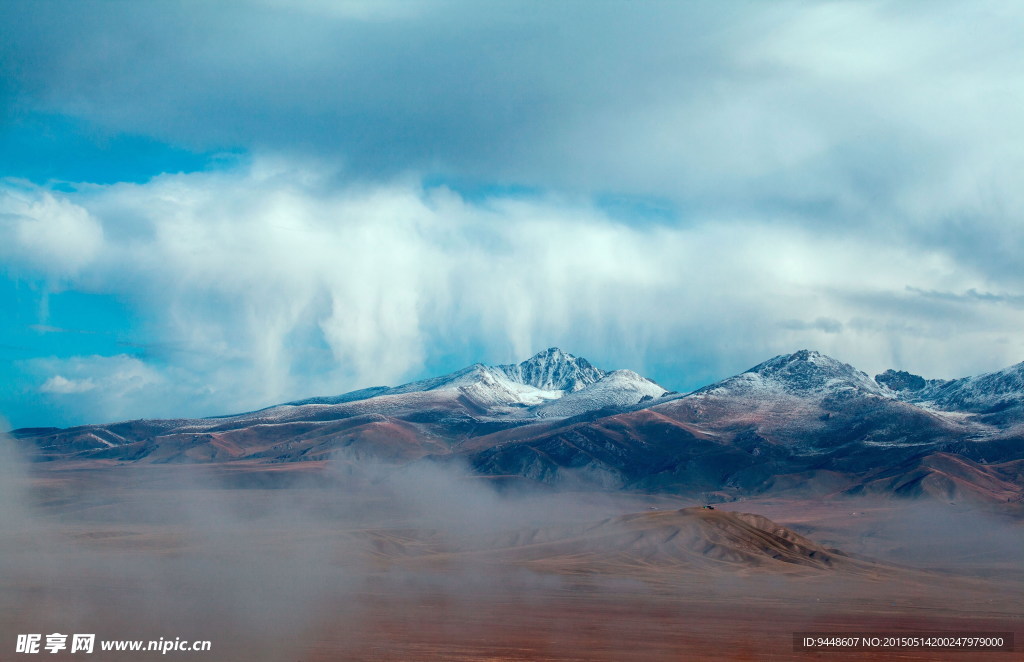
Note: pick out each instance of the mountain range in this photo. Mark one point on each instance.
(798, 423)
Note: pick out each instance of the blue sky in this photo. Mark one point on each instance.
(208, 208)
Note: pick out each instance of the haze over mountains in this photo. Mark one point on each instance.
(801, 423)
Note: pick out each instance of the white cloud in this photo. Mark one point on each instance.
(107, 388)
(63, 386)
(269, 283)
(834, 166)
(44, 233)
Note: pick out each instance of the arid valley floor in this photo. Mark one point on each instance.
(306, 562)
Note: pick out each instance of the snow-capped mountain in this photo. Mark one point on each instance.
(802, 421)
(620, 388)
(991, 394)
(554, 370)
(544, 377)
(811, 404)
(802, 373)
(453, 407)
(487, 385)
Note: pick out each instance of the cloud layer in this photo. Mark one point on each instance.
(273, 281)
(840, 175)
(850, 110)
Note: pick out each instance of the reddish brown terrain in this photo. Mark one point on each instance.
(802, 424)
(305, 562)
(541, 511)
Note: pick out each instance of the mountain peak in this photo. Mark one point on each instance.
(990, 393)
(901, 381)
(811, 356)
(554, 370)
(802, 355)
(809, 370)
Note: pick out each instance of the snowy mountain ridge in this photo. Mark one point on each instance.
(803, 373)
(555, 416)
(987, 393)
(519, 388)
(619, 388)
(554, 370)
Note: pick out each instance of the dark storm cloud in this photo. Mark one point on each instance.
(457, 86)
(891, 117)
(842, 116)
(812, 102)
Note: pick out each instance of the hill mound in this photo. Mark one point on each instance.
(691, 539)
